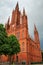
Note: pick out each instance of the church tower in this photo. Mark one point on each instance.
(36, 36)
(37, 41)
(18, 26)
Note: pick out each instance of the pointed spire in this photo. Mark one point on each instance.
(7, 24)
(35, 29)
(36, 35)
(8, 20)
(23, 11)
(17, 6)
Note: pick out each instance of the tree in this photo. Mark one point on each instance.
(3, 38)
(8, 45)
(15, 46)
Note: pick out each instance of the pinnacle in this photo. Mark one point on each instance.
(23, 11)
(35, 29)
(8, 19)
(17, 6)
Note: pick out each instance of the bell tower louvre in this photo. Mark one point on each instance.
(30, 49)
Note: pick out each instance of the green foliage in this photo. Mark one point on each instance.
(5, 49)
(3, 30)
(2, 27)
(3, 37)
(15, 46)
(3, 34)
(8, 45)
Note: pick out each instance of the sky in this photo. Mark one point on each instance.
(34, 12)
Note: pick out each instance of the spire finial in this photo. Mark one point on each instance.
(17, 6)
(8, 20)
(34, 26)
(23, 11)
(35, 29)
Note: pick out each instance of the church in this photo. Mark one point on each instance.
(18, 26)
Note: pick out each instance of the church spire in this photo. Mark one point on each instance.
(8, 20)
(35, 29)
(23, 11)
(36, 35)
(7, 24)
(17, 6)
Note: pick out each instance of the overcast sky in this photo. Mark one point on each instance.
(34, 11)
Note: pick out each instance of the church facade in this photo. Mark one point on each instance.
(18, 26)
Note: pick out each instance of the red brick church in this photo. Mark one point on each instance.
(30, 49)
